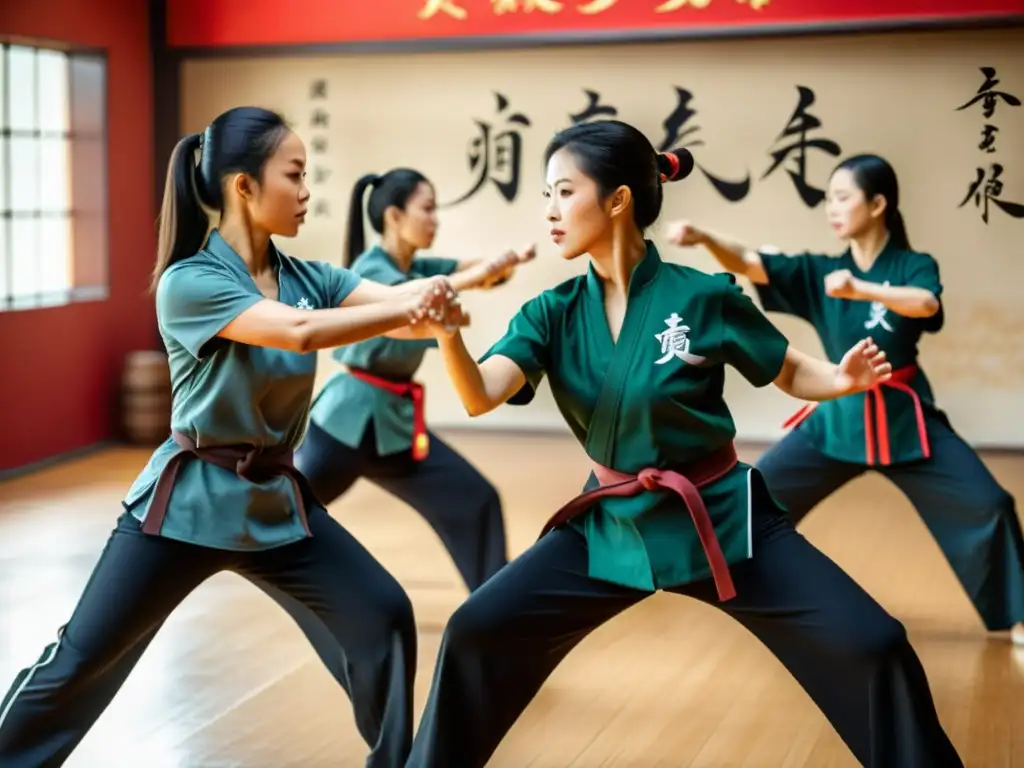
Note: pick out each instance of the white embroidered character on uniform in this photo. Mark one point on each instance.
(675, 343)
(878, 313)
(303, 303)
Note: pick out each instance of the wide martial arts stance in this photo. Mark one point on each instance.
(241, 322)
(370, 421)
(883, 287)
(635, 352)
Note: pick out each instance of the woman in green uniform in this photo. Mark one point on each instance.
(881, 286)
(369, 421)
(635, 351)
(241, 322)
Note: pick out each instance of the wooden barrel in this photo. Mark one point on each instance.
(146, 398)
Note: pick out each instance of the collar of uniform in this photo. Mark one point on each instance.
(377, 252)
(643, 274)
(887, 250)
(219, 247)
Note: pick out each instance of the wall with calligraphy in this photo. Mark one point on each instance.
(765, 119)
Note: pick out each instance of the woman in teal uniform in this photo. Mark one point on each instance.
(241, 322)
(881, 286)
(635, 351)
(370, 420)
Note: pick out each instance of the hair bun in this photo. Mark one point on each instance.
(676, 165)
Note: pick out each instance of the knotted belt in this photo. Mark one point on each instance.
(684, 481)
(416, 393)
(246, 461)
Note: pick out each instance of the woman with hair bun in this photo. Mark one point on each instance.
(635, 351)
(882, 286)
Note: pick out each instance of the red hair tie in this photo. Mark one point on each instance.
(673, 161)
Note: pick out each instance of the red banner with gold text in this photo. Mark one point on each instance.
(220, 23)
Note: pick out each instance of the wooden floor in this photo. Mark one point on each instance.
(231, 682)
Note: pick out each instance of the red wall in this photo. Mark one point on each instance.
(60, 368)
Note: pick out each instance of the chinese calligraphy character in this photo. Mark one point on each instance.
(497, 157)
(991, 192)
(674, 5)
(431, 8)
(988, 138)
(595, 6)
(989, 97)
(320, 118)
(878, 312)
(800, 123)
(675, 342)
(594, 108)
(756, 5)
(511, 6)
(676, 131)
(988, 187)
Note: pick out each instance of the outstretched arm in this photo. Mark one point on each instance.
(482, 387)
(809, 378)
(733, 256)
(489, 273)
(369, 292)
(273, 324)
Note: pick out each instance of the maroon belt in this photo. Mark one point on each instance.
(246, 461)
(685, 481)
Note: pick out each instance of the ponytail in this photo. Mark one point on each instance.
(875, 177)
(898, 231)
(355, 235)
(183, 223)
(675, 166)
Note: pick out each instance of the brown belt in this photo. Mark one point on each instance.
(246, 461)
(685, 481)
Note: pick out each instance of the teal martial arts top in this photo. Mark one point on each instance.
(346, 404)
(854, 428)
(226, 393)
(654, 398)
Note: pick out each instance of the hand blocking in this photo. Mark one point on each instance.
(433, 301)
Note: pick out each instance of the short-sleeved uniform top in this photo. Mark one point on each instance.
(226, 393)
(796, 286)
(653, 399)
(346, 404)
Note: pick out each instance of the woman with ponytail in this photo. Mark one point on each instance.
(241, 322)
(881, 286)
(369, 421)
(635, 351)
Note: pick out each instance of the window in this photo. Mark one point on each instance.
(53, 177)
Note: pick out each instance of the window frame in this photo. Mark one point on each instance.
(94, 259)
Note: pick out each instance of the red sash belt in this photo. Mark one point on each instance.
(900, 380)
(246, 461)
(685, 482)
(415, 392)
